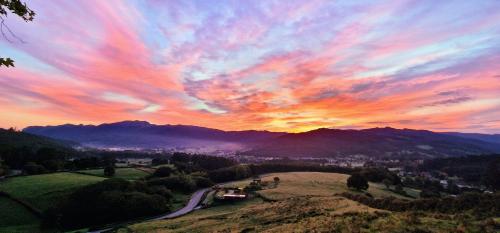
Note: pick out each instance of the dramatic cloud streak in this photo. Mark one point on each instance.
(274, 65)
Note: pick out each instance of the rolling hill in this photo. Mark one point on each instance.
(388, 142)
(143, 135)
(382, 142)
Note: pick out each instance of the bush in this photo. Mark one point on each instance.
(480, 205)
(109, 171)
(33, 169)
(357, 181)
(182, 183)
(164, 171)
(429, 193)
(202, 182)
(230, 173)
(108, 201)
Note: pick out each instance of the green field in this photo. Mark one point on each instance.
(43, 191)
(124, 173)
(16, 218)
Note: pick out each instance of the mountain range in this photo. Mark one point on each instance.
(386, 142)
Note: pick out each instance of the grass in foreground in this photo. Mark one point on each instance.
(43, 191)
(15, 218)
(180, 200)
(124, 173)
(306, 201)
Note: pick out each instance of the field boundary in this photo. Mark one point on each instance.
(88, 174)
(32, 209)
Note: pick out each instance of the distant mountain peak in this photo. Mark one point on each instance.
(131, 123)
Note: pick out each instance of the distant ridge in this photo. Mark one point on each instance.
(378, 142)
(142, 134)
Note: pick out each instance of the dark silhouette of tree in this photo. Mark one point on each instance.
(430, 193)
(276, 180)
(387, 183)
(399, 188)
(164, 171)
(491, 176)
(109, 171)
(20, 9)
(357, 181)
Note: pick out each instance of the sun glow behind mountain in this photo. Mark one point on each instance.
(269, 65)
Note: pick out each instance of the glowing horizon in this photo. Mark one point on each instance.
(260, 65)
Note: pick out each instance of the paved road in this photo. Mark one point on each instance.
(193, 203)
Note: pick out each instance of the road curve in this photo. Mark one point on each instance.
(193, 202)
(190, 206)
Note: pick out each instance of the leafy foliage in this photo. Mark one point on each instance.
(164, 171)
(109, 171)
(183, 183)
(470, 168)
(357, 181)
(6, 62)
(18, 148)
(491, 176)
(18, 8)
(482, 205)
(191, 163)
(108, 201)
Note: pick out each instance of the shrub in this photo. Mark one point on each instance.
(108, 201)
(357, 181)
(109, 171)
(182, 183)
(202, 182)
(429, 193)
(164, 171)
(32, 168)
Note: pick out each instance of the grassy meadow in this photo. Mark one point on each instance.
(124, 173)
(304, 201)
(294, 184)
(42, 191)
(16, 218)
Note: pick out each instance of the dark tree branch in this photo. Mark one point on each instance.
(20, 9)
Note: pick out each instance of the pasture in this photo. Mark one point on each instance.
(16, 218)
(124, 173)
(294, 184)
(296, 194)
(301, 202)
(43, 191)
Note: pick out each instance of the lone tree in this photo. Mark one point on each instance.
(20, 9)
(276, 180)
(109, 171)
(357, 181)
(387, 183)
(490, 176)
(164, 171)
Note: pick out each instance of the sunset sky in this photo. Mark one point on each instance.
(266, 65)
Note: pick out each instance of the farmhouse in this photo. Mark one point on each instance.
(233, 194)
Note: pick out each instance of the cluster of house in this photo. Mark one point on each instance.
(230, 193)
(234, 193)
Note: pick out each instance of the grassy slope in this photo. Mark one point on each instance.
(305, 201)
(295, 184)
(124, 173)
(297, 193)
(42, 191)
(16, 218)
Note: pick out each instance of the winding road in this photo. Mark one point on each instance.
(195, 200)
(191, 205)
